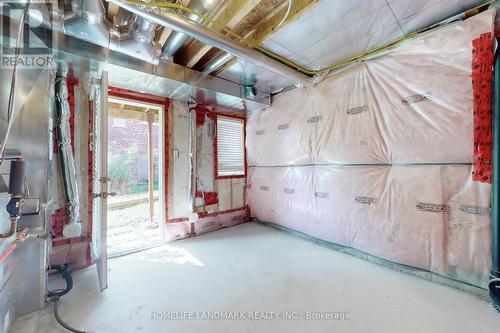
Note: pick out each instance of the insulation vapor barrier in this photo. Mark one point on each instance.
(430, 217)
(379, 157)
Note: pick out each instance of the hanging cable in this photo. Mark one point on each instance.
(10, 107)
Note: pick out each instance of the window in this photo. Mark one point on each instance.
(230, 147)
(118, 122)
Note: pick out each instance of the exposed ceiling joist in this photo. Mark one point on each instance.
(271, 23)
(112, 11)
(164, 32)
(130, 112)
(231, 13)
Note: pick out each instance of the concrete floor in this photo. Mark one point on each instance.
(255, 268)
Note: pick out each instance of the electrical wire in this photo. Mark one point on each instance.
(10, 107)
(290, 63)
(286, 14)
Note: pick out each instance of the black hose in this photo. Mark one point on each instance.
(55, 295)
(60, 321)
(65, 272)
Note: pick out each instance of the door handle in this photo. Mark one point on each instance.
(103, 195)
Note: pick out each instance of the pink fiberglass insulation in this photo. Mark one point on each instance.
(378, 157)
(412, 105)
(430, 217)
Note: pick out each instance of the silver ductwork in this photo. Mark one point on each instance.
(217, 63)
(65, 151)
(138, 42)
(181, 24)
(177, 39)
(89, 22)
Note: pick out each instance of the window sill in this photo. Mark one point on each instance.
(230, 177)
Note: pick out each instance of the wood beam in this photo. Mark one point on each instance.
(129, 114)
(151, 118)
(164, 32)
(112, 11)
(231, 13)
(269, 25)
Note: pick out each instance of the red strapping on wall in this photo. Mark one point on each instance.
(210, 198)
(482, 71)
(64, 241)
(58, 220)
(203, 111)
(205, 214)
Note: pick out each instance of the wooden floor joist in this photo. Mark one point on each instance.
(270, 24)
(123, 111)
(230, 13)
(254, 20)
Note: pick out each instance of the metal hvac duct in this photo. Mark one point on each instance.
(177, 39)
(89, 22)
(180, 23)
(138, 42)
(217, 63)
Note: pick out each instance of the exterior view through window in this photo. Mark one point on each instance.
(230, 147)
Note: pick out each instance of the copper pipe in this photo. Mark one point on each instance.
(13, 228)
(21, 237)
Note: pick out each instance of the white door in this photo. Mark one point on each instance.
(100, 180)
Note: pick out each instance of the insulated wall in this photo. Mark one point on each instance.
(210, 194)
(378, 157)
(179, 192)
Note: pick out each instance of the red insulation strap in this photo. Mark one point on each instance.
(210, 198)
(482, 71)
(58, 220)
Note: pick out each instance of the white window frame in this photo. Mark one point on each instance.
(240, 170)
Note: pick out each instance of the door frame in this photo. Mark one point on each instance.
(164, 103)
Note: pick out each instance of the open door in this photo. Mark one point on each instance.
(100, 178)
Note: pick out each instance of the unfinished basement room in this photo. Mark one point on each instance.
(249, 166)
